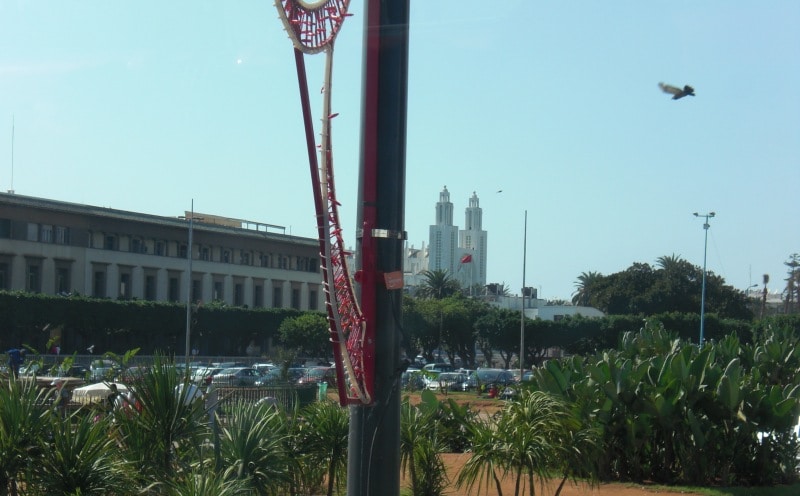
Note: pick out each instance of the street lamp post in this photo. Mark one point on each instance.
(706, 225)
(189, 287)
(522, 312)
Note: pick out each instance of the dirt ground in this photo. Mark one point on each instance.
(489, 406)
(454, 462)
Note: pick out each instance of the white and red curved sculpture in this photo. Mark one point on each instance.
(312, 27)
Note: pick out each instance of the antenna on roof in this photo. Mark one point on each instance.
(12, 155)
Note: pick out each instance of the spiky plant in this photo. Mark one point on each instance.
(23, 420)
(82, 459)
(253, 448)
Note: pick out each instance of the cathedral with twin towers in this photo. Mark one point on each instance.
(459, 252)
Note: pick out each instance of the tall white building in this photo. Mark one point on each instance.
(460, 253)
(443, 238)
(471, 268)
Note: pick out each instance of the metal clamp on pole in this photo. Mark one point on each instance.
(384, 234)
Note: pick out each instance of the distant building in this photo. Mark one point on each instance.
(538, 309)
(55, 247)
(460, 253)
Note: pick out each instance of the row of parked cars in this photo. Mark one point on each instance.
(261, 375)
(457, 380)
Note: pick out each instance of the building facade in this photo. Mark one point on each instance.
(54, 247)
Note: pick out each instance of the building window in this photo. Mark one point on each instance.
(5, 276)
(313, 266)
(238, 294)
(62, 235)
(197, 290)
(160, 248)
(33, 232)
(182, 251)
(218, 294)
(110, 242)
(245, 258)
(296, 299)
(312, 299)
(33, 282)
(258, 296)
(46, 234)
(5, 228)
(150, 288)
(204, 253)
(226, 256)
(136, 245)
(277, 297)
(125, 285)
(99, 284)
(63, 284)
(174, 289)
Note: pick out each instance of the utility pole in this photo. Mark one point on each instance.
(374, 446)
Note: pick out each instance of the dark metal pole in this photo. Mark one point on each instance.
(374, 446)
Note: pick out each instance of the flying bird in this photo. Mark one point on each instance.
(676, 92)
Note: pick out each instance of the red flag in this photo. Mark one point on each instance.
(466, 259)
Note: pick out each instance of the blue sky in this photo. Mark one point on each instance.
(147, 105)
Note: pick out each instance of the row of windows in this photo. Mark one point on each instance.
(48, 233)
(63, 285)
(209, 253)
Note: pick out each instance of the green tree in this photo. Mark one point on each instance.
(308, 333)
(584, 288)
(495, 329)
(791, 294)
(438, 284)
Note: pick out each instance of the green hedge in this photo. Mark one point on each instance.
(120, 325)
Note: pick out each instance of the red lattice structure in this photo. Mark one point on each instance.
(312, 27)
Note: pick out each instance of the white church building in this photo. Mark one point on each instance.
(459, 252)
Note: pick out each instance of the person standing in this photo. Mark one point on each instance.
(16, 357)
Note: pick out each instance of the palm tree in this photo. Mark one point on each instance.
(669, 262)
(419, 447)
(487, 462)
(585, 286)
(438, 284)
(530, 433)
(204, 483)
(322, 438)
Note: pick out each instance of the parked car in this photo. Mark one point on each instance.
(236, 376)
(484, 378)
(316, 375)
(439, 367)
(449, 381)
(269, 377)
(412, 380)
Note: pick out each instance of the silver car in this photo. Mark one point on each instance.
(237, 376)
